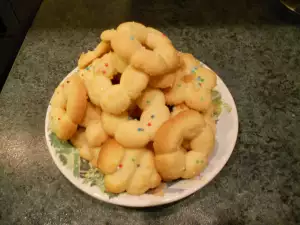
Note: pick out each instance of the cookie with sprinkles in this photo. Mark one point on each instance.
(104, 66)
(193, 85)
(154, 112)
(125, 169)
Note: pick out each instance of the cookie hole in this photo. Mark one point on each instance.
(186, 145)
(147, 47)
(150, 146)
(116, 79)
(135, 112)
(170, 107)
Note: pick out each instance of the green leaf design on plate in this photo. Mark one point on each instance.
(63, 159)
(227, 107)
(84, 165)
(111, 195)
(215, 95)
(94, 177)
(217, 101)
(62, 147)
(68, 155)
(219, 104)
(76, 168)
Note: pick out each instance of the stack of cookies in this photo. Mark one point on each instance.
(137, 109)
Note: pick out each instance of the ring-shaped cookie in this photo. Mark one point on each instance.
(68, 106)
(115, 98)
(132, 133)
(125, 169)
(145, 48)
(172, 160)
(193, 85)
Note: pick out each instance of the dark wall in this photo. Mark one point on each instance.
(16, 17)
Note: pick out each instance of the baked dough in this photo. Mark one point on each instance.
(127, 169)
(145, 48)
(172, 160)
(68, 105)
(193, 85)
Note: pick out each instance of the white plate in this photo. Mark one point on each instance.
(90, 181)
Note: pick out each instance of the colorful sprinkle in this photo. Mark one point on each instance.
(120, 166)
(178, 85)
(140, 129)
(198, 161)
(131, 38)
(152, 116)
(200, 79)
(106, 64)
(148, 101)
(62, 86)
(87, 68)
(163, 35)
(103, 71)
(133, 159)
(149, 124)
(194, 69)
(199, 84)
(202, 99)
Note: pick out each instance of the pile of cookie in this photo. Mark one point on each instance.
(137, 109)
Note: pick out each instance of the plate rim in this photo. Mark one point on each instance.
(163, 201)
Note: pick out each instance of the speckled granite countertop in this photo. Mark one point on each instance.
(254, 50)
